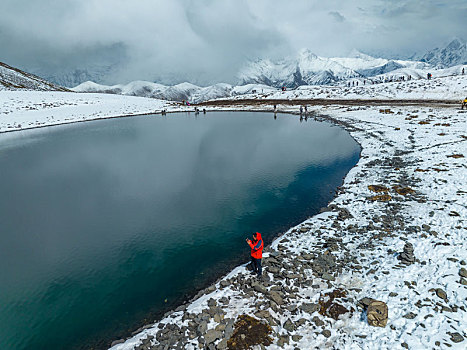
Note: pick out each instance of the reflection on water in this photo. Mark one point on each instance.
(102, 222)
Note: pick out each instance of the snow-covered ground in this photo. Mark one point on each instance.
(32, 109)
(451, 87)
(415, 153)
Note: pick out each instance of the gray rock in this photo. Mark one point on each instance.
(289, 326)
(309, 307)
(222, 345)
(326, 333)
(224, 284)
(463, 272)
(212, 335)
(441, 294)
(284, 339)
(296, 337)
(456, 337)
(410, 316)
(317, 321)
(273, 270)
(229, 328)
(327, 277)
(364, 302)
(202, 328)
(276, 297)
(259, 287)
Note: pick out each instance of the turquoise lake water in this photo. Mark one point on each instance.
(105, 225)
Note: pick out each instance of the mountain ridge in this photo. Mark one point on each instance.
(12, 78)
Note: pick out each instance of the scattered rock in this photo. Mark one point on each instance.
(463, 272)
(249, 331)
(441, 294)
(309, 307)
(377, 313)
(211, 336)
(407, 257)
(403, 190)
(456, 337)
(329, 306)
(380, 198)
(289, 326)
(276, 297)
(410, 316)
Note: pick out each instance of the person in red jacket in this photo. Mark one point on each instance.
(256, 252)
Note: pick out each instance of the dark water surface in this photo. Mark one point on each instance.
(104, 225)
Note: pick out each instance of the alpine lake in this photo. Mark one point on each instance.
(106, 225)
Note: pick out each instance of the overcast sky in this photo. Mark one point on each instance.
(209, 40)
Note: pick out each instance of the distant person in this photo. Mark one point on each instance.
(301, 110)
(464, 103)
(306, 109)
(204, 110)
(256, 253)
(463, 71)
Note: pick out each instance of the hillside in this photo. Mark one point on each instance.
(15, 79)
(455, 53)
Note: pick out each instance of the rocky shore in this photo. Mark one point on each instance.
(394, 234)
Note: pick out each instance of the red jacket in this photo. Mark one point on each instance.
(256, 247)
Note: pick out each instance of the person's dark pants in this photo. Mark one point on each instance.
(256, 263)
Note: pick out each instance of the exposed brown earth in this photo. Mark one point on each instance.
(326, 102)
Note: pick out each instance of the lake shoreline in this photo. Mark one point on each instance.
(343, 270)
(413, 156)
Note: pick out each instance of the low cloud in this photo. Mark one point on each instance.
(208, 41)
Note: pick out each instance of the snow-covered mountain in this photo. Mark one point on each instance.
(455, 53)
(310, 69)
(266, 75)
(73, 77)
(179, 92)
(15, 79)
(305, 69)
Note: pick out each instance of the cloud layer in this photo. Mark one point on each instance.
(207, 41)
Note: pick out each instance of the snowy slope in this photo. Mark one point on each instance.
(31, 109)
(179, 92)
(14, 79)
(305, 69)
(416, 154)
(447, 84)
(455, 53)
(310, 69)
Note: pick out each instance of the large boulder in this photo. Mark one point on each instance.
(377, 313)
